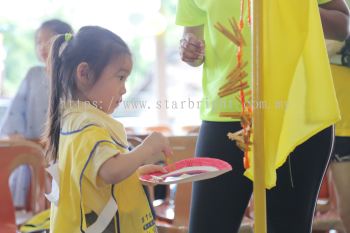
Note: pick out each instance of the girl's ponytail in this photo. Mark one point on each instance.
(54, 116)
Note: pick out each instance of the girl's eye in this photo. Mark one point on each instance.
(121, 77)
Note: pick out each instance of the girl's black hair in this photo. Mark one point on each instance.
(92, 44)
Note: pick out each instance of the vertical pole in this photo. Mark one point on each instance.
(260, 225)
(161, 73)
(160, 76)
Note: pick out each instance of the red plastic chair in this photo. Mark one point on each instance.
(12, 154)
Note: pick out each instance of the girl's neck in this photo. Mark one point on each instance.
(81, 97)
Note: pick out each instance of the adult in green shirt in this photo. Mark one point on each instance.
(218, 204)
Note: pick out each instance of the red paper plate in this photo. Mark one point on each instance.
(188, 170)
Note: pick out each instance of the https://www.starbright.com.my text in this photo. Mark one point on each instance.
(183, 104)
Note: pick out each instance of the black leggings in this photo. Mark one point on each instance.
(218, 204)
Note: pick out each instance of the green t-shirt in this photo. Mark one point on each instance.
(220, 53)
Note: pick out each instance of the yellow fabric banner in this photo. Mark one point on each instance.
(298, 93)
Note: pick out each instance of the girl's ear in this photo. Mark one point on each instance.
(83, 77)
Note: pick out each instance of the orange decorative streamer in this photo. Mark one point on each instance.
(235, 84)
(249, 13)
(241, 22)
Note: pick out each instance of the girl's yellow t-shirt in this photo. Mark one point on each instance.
(88, 138)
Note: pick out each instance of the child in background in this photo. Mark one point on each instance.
(99, 189)
(27, 113)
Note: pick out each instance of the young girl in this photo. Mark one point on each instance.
(99, 189)
(27, 113)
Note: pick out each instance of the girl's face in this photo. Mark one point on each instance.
(43, 43)
(106, 94)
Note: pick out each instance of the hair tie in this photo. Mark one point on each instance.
(68, 36)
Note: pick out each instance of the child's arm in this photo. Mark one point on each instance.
(121, 166)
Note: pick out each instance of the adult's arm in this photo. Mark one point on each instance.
(335, 19)
(192, 45)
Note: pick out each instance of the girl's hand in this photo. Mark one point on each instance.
(192, 49)
(150, 168)
(155, 146)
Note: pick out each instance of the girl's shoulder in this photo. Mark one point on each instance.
(78, 122)
(36, 75)
(36, 71)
